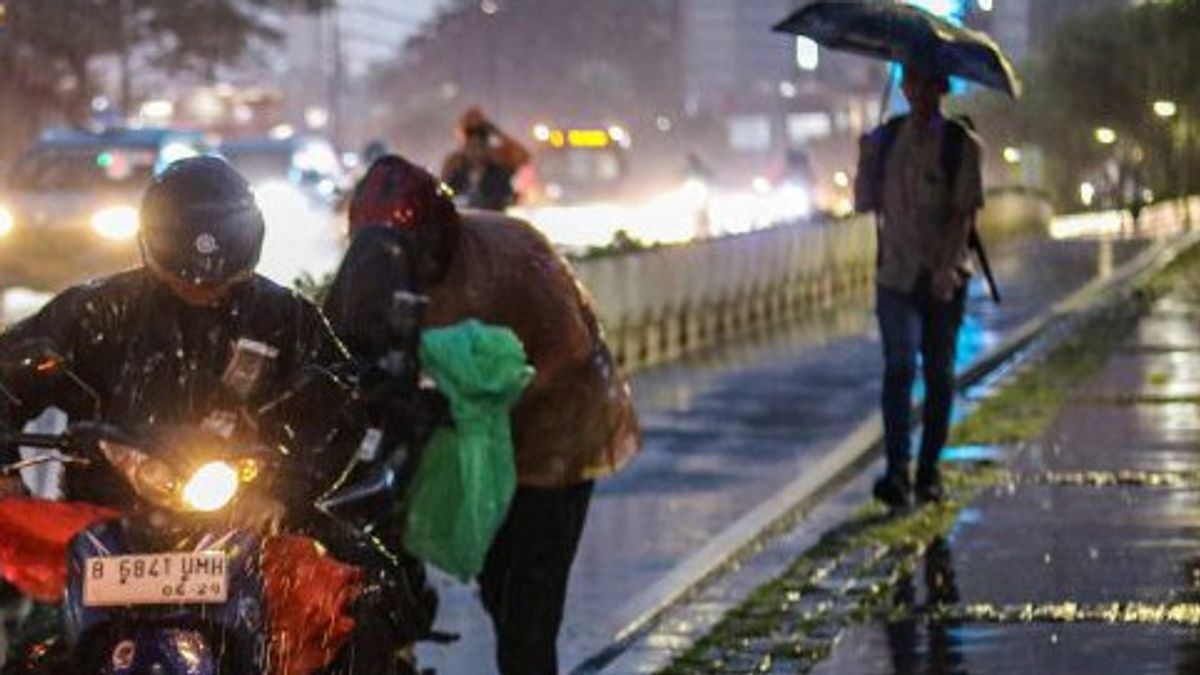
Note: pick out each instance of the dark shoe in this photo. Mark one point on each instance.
(929, 487)
(892, 489)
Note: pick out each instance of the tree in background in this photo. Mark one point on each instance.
(1108, 69)
(49, 49)
(567, 62)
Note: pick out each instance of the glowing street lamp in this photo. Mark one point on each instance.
(1165, 109)
(1012, 155)
(808, 54)
(1087, 193)
(1105, 136)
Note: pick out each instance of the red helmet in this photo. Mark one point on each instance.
(397, 194)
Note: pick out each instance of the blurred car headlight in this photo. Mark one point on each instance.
(7, 222)
(695, 193)
(793, 201)
(117, 223)
(279, 196)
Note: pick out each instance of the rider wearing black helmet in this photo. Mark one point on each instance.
(166, 345)
(201, 229)
(156, 342)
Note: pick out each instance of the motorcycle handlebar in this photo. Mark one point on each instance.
(41, 441)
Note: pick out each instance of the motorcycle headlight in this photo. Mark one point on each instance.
(7, 222)
(211, 487)
(118, 223)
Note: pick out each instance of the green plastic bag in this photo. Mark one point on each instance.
(460, 493)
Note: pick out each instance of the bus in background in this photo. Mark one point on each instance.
(575, 166)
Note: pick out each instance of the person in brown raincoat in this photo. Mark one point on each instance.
(481, 170)
(575, 422)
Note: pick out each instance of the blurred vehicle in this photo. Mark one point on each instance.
(309, 164)
(577, 165)
(581, 194)
(68, 206)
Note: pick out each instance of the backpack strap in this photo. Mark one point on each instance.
(953, 143)
(889, 132)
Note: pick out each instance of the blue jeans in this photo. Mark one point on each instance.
(912, 323)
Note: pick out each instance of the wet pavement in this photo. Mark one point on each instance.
(724, 433)
(1053, 574)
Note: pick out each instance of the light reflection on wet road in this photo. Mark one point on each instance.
(1053, 575)
(725, 432)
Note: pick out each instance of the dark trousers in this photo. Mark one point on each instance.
(524, 579)
(912, 323)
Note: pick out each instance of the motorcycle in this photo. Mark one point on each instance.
(195, 577)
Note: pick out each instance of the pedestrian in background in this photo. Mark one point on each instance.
(481, 171)
(921, 174)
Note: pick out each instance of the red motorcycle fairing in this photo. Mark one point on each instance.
(308, 598)
(308, 593)
(34, 534)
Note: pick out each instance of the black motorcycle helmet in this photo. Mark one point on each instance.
(201, 229)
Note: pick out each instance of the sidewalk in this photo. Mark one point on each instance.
(727, 433)
(1079, 552)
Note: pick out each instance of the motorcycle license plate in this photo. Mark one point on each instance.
(158, 579)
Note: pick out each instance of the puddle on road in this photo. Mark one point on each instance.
(1174, 614)
(849, 578)
(973, 454)
(1139, 399)
(1128, 477)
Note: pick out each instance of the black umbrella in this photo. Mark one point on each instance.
(901, 32)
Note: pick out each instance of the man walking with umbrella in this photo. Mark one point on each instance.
(920, 174)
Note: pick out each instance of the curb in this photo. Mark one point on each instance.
(851, 454)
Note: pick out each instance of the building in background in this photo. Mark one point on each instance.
(327, 58)
(772, 100)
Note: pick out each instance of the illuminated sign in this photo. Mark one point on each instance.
(588, 138)
(580, 138)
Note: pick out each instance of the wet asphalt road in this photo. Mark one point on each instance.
(1067, 548)
(725, 432)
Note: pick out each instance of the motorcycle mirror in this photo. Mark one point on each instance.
(38, 356)
(32, 365)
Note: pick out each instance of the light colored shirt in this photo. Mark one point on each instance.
(923, 227)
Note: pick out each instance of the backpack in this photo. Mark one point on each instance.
(868, 186)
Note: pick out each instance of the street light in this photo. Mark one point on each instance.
(1178, 161)
(1165, 109)
(808, 54)
(1012, 155)
(1087, 193)
(1105, 136)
